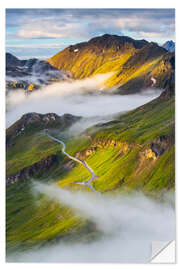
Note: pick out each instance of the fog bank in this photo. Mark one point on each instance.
(129, 225)
(83, 98)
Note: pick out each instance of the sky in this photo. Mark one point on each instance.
(41, 33)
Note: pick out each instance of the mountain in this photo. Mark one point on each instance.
(95, 53)
(12, 60)
(169, 46)
(132, 62)
(30, 74)
(28, 129)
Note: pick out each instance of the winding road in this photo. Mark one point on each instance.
(93, 176)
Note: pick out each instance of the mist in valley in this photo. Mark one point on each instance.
(84, 98)
(128, 225)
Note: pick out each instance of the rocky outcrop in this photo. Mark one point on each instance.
(149, 154)
(41, 167)
(161, 144)
(124, 147)
(156, 149)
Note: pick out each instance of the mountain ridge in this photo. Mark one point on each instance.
(169, 46)
(37, 122)
(127, 58)
(107, 41)
(30, 74)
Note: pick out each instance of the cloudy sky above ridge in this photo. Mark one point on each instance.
(43, 32)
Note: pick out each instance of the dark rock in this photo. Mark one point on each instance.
(11, 60)
(40, 167)
(157, 149)
(162, 143)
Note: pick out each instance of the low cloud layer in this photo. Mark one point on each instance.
(83, 98)
(129, 225)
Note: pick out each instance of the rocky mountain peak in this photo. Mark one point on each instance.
(11, 60)
(108, 40)
(169, 46)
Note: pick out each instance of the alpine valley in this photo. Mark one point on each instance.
(127, 146)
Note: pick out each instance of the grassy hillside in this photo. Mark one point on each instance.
(133, 152)
(34, 219)
(25, 140)
(133, 62)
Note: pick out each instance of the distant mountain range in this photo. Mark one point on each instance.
(134, 64)
(30, 74)
(169, 46)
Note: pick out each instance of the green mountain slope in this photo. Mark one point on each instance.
(133, 152)
(27, 145)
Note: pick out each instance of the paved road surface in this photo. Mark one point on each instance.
(93, 176)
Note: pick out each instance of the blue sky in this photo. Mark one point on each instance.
(43, 32)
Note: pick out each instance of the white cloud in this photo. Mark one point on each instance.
(36, 46)
(48, 28)
(85, 27)
(80, 97)
(128, 225)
